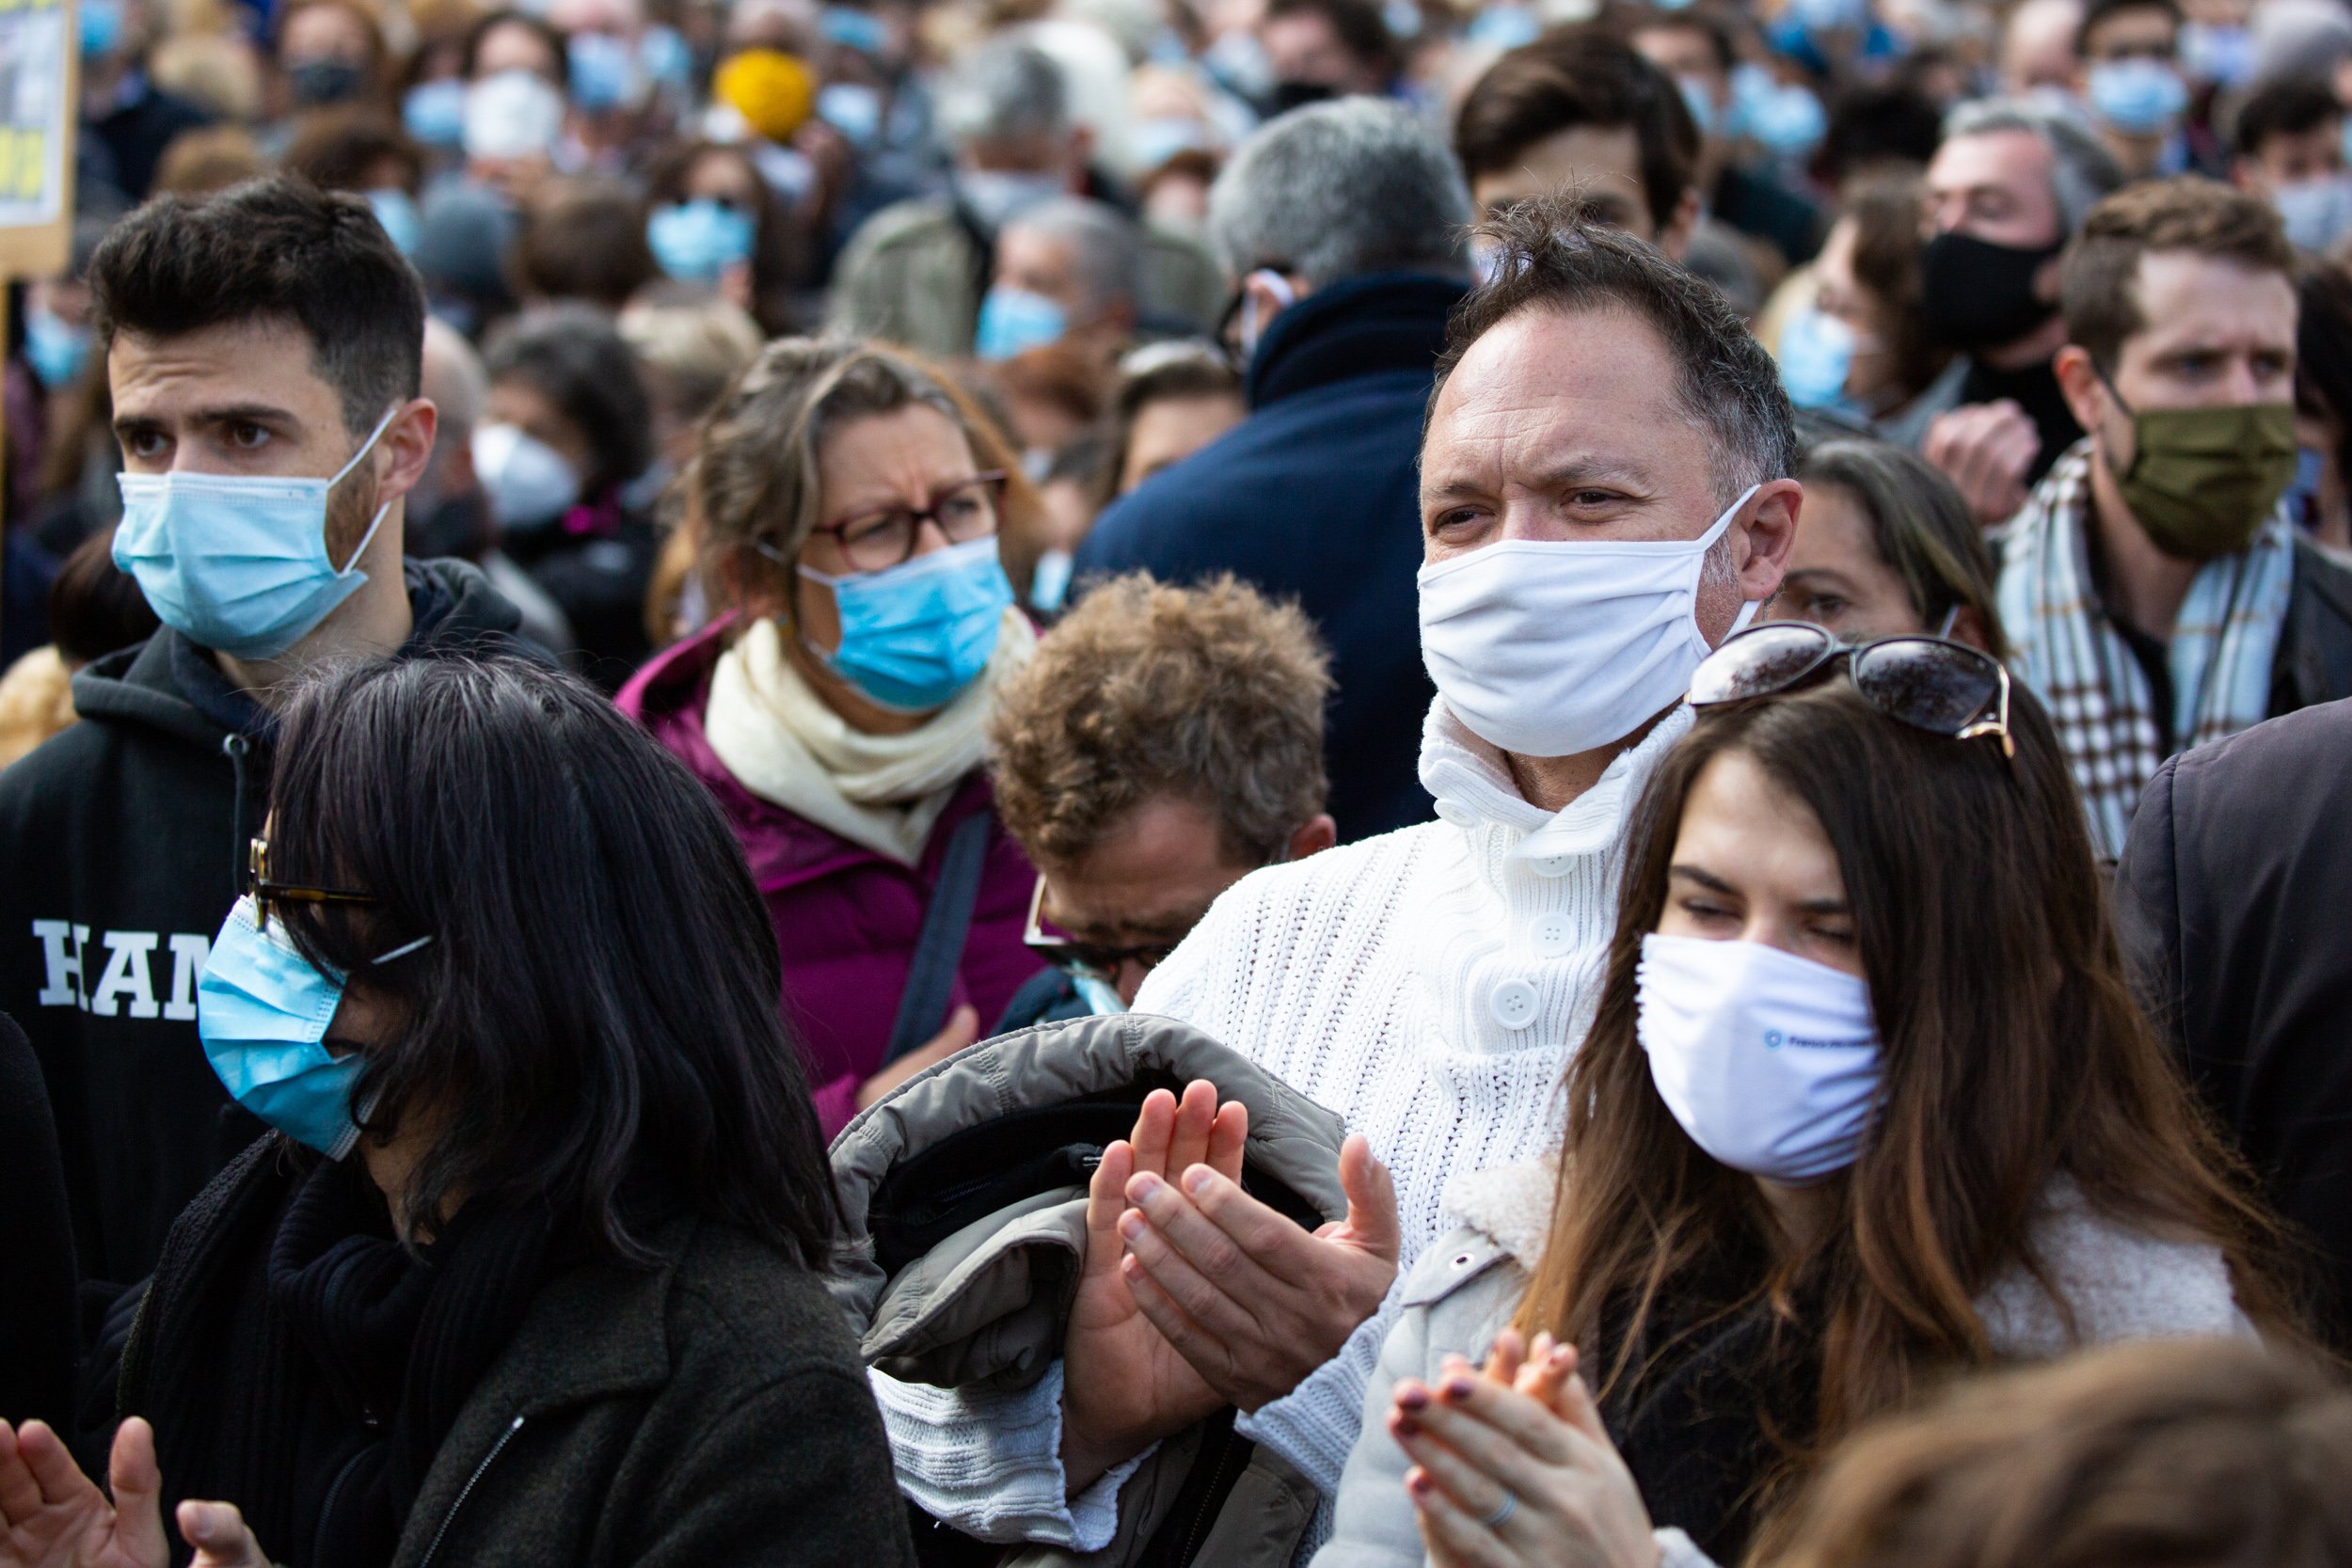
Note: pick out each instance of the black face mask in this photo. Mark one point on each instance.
(1297, 95)
(1975, 294)
(317, 82)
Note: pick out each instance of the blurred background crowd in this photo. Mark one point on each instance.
(613, 202)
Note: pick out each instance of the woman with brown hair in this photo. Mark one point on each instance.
(852, 506)
(1866, 1104)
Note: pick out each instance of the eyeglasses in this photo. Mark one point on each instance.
(264, 893)
(1097, 958)
(885, 537)
(1946, 689)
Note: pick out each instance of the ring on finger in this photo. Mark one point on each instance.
(1502, 1510)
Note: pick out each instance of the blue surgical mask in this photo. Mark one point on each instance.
(397, 211)
(2217, 52)
(605, 74)
(1154, 141)
(994, 195)
(1100, 995)
(262, 1010)
(1049, 581)
(1815, 355)
(1013, 319)
(529, 484)
(57, 348)
(1788, 121)
(1700, 99)
(2137, 97)
(435, 112)
(697, 241)
(101, 28)
(235, 562)
(2315, 213)
(853, 109)
(2302, 497)
(914, 635)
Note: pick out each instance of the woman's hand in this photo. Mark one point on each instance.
(1123, 1385)
(56, 1517)
(1513, 1469)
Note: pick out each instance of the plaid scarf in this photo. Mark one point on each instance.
(2065, 646)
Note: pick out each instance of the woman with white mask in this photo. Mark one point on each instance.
(1866, 1104)
(850, 504)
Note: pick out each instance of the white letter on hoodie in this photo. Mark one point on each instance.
(126, 975)
(63, 987)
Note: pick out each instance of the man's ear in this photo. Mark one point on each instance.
(1312, 838)
(406, 447)
(2079, 383)
(1674, 235)
(1771, 533)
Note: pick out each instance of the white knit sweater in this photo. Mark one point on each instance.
(1427, 985)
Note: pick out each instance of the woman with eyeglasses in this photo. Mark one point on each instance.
(528, 1271)
(1865, 1104)
(851, 502)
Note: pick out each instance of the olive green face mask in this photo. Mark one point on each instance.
(2201, 481)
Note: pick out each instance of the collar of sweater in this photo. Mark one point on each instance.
(1473, 788)
(2099, 1279)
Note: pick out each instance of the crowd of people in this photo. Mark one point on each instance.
(1182, 782)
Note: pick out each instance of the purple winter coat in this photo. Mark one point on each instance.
(846, 918)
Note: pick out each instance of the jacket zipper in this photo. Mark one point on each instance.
(467, 1491)
(328, 1511)
(1212, 1505)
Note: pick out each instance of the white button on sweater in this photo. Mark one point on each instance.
(1389, 980)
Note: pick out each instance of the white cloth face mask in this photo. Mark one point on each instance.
(1552, 648)
(1769, 1061)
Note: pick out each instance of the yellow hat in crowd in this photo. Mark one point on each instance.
(773, 90)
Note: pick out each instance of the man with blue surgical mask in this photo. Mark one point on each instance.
(1603, 498)
(1065, 273)
(2131, 81)
(262, 352)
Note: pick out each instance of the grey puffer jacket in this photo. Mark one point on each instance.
(965, 1191)
(2120, 1285)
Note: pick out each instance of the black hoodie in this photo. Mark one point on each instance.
(123, 845)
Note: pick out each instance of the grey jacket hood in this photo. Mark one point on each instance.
(964, 1190)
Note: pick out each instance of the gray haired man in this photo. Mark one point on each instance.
(914, 274)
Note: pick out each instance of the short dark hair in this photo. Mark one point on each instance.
(274, 249)
(1878, 123)
(2099, 293)
(1721, 32)
(2293, 108)
(470, 55)
(1575, 77)
(594, 1026)
(1357, 23)
(575, 358)
(336, 149)
(584, 238)
(2097, 12)
(1549, 257)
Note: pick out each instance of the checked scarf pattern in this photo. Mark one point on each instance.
(2064, 646)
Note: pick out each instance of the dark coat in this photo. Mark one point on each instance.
(2235, 897)
(1316, 496)
(38, 1339)
(709, 1411)
(123, 845)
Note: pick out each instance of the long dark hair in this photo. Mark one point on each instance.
(593, 1024)
(2013, 1054)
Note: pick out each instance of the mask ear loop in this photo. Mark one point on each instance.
(382, 511)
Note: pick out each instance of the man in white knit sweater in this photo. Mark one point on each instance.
(1603, 500)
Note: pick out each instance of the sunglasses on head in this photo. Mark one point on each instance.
(1946, 689)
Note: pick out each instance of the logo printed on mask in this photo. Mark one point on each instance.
(236, 563)
(1548, 648)
(1797, 1110)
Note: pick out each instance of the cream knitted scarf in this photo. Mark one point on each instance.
(884, 792)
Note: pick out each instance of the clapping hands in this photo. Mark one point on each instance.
(53, 1517)
(1513, 1468)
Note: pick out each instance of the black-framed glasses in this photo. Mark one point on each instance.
(884, 537)
(1944, 687)
(1097, 958)
(263, 892)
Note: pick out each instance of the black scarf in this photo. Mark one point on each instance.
(308, 1368)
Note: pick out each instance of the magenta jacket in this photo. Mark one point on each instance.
(846, 918)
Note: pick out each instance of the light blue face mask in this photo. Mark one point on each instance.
(1013, 319)
(853, 109)
(57, 348)
(1816, 354)
(397, 213)
(238, 563)
(101, 28)
(1100, 995)
(914, 636)
(695, 241)
(435, 112)
(262, 1010)
(1699, 100)
(2137, 97)
(605, 74)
